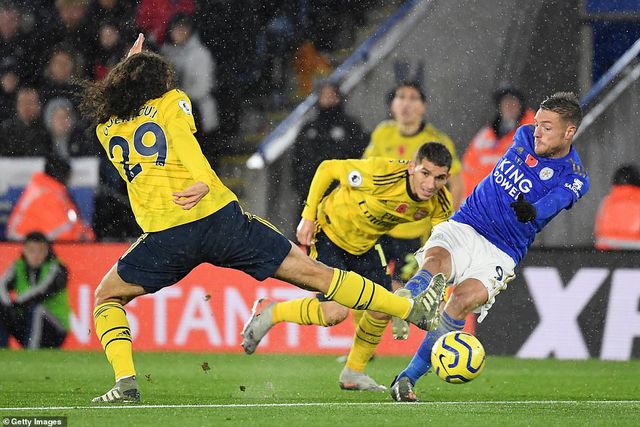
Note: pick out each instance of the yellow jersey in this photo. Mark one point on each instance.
(156, 154)
(387, 141)
(373, 197)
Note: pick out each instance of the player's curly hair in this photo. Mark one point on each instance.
(131, 83)
(566, 104)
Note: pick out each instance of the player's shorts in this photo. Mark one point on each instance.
(371, 264)
(227, 238)
(400, 254)
(472, 257)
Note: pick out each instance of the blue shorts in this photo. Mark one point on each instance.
(371, 264)
(227, 238)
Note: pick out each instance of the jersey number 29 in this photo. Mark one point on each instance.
(159, 148)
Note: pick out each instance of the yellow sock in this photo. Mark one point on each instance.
(354, 291)
(114, 334)
(365, 341)
(303, 311)
(356, 315)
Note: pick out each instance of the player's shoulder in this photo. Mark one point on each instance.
(385, 127)
(382, 168)
(175, 103)
(434, 134)
(524, 136)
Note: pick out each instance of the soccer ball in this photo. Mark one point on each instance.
(457, 357)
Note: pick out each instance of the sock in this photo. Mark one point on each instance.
(112, 329)
(421, 361)
(303, 311)
(419, 282)
(356, 315)
(354, 291)
(365, 341)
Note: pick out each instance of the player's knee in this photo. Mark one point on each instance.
(334, 314)
(463, 300)
(438, 260)
(106, 292)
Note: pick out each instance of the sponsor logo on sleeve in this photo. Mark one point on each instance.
(576, 186)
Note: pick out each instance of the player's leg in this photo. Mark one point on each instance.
(316, 310)
(265, 314)
(312, 310)
(112, 329)
(464, 298)
(430, 279)
(352, 290)
(371, 326)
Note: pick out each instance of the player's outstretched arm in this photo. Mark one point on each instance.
(191, 196)
(137, 46)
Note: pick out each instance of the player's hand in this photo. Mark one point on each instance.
(137, 46)
(524, 210)
(304, 232)
(191, 196)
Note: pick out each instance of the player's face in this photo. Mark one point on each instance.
(407, 107)
(552, 134)
(426, 179)
(35, 253)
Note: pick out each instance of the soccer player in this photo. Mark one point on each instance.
(188, 216)
(400, 138)
(480, 246)
(373, 196)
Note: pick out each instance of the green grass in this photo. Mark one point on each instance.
(509, 392)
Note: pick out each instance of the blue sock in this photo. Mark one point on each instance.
(421, 361)
(419, 282)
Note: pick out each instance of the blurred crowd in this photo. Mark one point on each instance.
(228, 55)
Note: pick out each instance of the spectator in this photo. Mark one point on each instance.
(59, 74)
(46, 206)
(618, 219)
(14, 45)
(115, 11)
(111, 49)
(184, 50)
(154, 15)
(493, 140)
(38, 316)
(24, 134)
(331, 135)
(72, 28)
(9, 81)
(67, 138)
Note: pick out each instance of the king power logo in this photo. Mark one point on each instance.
(511, 179)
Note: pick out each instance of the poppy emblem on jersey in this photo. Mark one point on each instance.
(531, 161)
(420, 213)
(355, 178)
(546, 174)
(402, 208)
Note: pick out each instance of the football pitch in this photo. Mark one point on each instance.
(186, 389)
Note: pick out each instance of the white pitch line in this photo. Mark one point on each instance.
(322, 404)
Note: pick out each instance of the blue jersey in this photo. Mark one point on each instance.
(550, 184)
